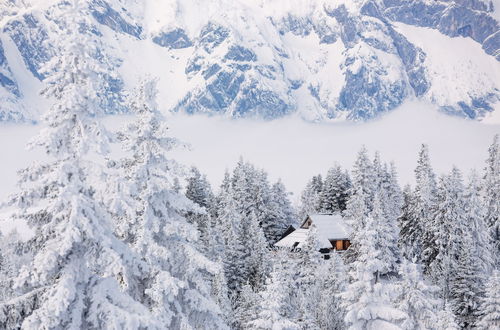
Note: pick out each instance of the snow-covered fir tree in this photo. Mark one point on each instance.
(449, 230)
(363, 178)
(81, 275)
(422, 208)
(466, 287)
(491, 193)
(333, 276)
(387, 237)
(199, 191)
(247, 307)
(369, 301)
(176, 289)
(220, 294)
(446, 320)
(489, 312)
(335, 190)
(310, 199)
(417, 298)
(273, 312)
(283, 214)
(410, 231)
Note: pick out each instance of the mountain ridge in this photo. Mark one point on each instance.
(342, 60)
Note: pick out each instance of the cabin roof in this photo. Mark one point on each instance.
(330, 227)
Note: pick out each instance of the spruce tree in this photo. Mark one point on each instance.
(417, 298)
(81, 275)
(489, 312)
(410, 239)
(176, 289)
(273, 305)
(491, 193)
(369, 302)
(451, 231)
(333, 276)
(335, 191)
(423, 208)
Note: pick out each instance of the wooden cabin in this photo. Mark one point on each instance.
(333, 233)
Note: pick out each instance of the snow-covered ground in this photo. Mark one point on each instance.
(295, 150)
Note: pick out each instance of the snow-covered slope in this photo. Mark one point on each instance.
(322, 60)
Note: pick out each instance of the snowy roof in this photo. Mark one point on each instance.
(329, 227)
(297, 236)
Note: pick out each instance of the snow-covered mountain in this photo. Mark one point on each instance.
(321, 60)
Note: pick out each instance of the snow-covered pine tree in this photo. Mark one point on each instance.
(387, 237)
(273, 312)
(446, 320)
(199, 191)
(81, 275)
(355, 215)
(220, 294)
(247, 307)
(307, 263)
(360, 203)
(466, 286)
(370, 302)
(335, 191)
(422, 208)
(410, 238)
(365, 178)
(176, 289)
(263, 207)
(333, 276)
(475, 213)
(282, 210)
(310, 198)
(450, 230)
(257, 261)
(13, 257)
(491, 193)
(417, 298)
(489, 312)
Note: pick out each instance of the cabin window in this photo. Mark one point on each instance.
(339, 245)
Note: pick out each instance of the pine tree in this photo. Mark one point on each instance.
(386, 239)
(423, 208)
(220, 294)
(335, 191)
(370, 303)
(365, 178)
(247, 307)
(257, 262)
(198, 190)
(333, 276)
(466, 287)
(176, 289)
(476, 213)
(491, 192)
(417, 298)
(310, 199)
(410, 239)
(446, 320)
(449, 228)
(489, 312)
(273, 310)
(81, 275)
(282, 211)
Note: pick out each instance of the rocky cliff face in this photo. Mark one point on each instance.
(329, 60)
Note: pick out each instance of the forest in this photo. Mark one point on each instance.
(141, 242)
